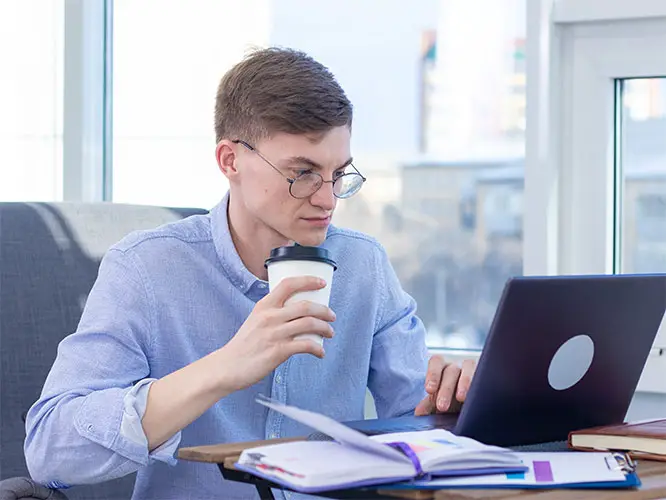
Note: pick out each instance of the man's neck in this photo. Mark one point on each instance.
(252, 239)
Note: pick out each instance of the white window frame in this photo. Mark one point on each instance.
(575, 50)
(87, 101)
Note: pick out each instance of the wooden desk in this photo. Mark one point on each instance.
(652, 475)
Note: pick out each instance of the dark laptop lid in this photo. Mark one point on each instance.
(563, 353)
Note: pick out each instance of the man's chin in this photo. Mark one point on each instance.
(312, 238)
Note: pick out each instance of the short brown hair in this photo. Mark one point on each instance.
(278, 90)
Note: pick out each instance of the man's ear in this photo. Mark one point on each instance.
(225, 154)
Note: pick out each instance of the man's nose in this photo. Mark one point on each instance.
(324, 197)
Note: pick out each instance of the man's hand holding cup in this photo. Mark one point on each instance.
(294, 318)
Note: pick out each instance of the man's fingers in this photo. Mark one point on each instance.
(447, 387)
(467, 372)
(304, 309)
(306, 325)
(305, 346)
(436, 366)
(425, 407)
(289, 286)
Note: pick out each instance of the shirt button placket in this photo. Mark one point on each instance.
(279, 394)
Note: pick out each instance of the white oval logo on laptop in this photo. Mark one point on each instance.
(571, 362)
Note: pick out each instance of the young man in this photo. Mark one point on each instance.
(180, 335)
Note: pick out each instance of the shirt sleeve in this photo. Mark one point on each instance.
(89, 412)
(135, 403)
(399, 358)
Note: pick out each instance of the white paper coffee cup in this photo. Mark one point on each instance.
(295, 261)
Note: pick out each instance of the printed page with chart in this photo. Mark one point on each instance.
(550, 470)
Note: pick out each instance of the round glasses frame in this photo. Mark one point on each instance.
(345, 186)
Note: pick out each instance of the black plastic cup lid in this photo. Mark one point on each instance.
(298, 252)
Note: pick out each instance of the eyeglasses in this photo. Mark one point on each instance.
(345, 184)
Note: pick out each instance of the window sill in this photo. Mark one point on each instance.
(457, 355)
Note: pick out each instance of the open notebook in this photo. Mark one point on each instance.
(354, 459)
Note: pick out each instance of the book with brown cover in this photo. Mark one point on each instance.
(641, 439)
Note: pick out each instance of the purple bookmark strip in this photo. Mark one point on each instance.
(407, 450)
(542, 471)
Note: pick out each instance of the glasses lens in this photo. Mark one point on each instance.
(347, 185)
(305, 185)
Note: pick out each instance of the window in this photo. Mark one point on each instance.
(641, 197)
(440, 127)
(433, 128)
(31, 100)
(503, 208)
(608, 116)
(643, 164)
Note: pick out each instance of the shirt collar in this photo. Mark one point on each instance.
(231, 262)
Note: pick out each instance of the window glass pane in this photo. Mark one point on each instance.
(31, 100)
(643, 247)
(439, 103)
(439, 122)
(168, 59)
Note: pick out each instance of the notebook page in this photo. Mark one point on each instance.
(336, 430)
(440, 448)
(321, 463)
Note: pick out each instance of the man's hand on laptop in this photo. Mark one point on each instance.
(447, 385)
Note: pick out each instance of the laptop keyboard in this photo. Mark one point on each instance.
(406, 427)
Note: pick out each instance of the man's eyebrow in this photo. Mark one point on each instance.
(302, 160)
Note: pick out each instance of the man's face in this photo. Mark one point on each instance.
(265, 193)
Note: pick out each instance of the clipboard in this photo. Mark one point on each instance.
(615, 462)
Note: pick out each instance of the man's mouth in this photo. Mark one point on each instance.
(318, 221)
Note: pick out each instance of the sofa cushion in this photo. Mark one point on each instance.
(49, 258)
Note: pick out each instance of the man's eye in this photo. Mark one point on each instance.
(299, 173)
(339, 173)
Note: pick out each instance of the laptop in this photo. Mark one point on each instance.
(562, 353)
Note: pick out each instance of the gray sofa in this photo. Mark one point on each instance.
(49, 257)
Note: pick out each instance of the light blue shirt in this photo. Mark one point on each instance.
(169, 296)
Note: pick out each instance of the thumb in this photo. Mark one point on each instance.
(425, 407)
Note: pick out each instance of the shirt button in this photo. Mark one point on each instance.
(278, 378)
(272, 436)
(262, 285)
